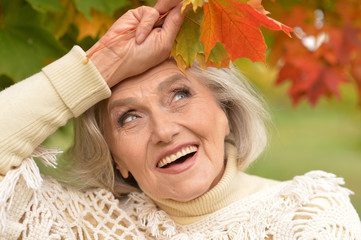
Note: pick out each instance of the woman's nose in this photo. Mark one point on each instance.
(164, 128)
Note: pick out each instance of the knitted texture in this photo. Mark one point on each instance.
(32, 207)
(313, 206)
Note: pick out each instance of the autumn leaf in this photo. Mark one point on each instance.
(95, 28)
(311, 79)
(257, 4)
(187, 44)
(218, 57)
(182, 65)
(237, 26)
(315, 73)
(195, 4)
(318, 68)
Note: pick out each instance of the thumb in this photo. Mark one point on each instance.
(148, 17)
(164, 6)
(172, 23)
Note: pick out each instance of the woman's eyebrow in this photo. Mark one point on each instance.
(120, 102)
(170, 80)
(167, 82)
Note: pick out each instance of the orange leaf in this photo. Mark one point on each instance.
(237, 26)
(101, 22)
(257, 4)
(311, 78)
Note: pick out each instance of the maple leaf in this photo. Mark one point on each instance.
(182, 65)
(187, 44)
(97, 27)
(237, 26)
(257, 4)
(314, 74)
(195, 4)
(319, 70)
(311, 79)
(218, 57)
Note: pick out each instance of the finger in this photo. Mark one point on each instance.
(148, 17)
(165, 5)
(172, 23)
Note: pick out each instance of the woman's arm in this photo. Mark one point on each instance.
(34, 108)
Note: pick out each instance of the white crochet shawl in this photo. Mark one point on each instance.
(312, 206)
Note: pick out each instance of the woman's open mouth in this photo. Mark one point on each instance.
(177, 158)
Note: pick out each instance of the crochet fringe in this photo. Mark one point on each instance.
(30, 173)
(249, 223)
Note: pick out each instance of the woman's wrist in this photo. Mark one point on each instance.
(107, 63)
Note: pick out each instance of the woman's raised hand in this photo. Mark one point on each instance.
(133, 44)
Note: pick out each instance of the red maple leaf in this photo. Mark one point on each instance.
(237, 26)
(318, 73)
(311, 78)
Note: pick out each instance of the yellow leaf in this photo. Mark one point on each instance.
(201, 59)
(100, 24)
(179, 59)
(63, 19)
(195, 4)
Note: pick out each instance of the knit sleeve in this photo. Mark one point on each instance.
(35, 107)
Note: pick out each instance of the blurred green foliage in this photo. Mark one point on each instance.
(35, 32)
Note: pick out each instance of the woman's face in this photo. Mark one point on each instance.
(168, 131)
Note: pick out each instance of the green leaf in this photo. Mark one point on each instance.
(219, 56)
(188, 39)
(25, 45)
(105, 6)
(150, 2)
(45, 5)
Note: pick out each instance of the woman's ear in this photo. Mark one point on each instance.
(122, 170)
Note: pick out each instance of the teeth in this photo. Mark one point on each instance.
(169, 159)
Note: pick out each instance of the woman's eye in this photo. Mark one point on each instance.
(181, 93)
(179, 96)
(130, 118)
(126, 118)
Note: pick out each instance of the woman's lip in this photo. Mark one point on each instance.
(181, 167)
(173, 150)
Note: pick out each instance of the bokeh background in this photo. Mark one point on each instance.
(315, 126)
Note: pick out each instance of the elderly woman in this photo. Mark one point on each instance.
(158, 153)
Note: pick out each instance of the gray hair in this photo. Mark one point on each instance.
(91, 158)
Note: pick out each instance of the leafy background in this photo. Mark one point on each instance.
(327, 136)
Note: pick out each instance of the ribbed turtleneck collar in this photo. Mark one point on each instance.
(223, 194)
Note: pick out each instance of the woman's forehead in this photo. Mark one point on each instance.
(155, 75)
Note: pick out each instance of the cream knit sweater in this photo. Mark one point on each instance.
(313, 206)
